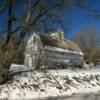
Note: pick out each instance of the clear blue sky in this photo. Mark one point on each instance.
(79, 19)
(74, 19)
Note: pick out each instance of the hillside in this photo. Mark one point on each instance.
(25, 84)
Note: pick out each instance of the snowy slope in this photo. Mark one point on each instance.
(25, 84)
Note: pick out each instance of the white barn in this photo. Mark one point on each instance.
(52, 51)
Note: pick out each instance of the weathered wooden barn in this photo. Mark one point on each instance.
(52, 51)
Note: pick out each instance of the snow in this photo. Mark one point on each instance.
(23, 83)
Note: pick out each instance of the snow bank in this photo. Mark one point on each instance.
(25, 84)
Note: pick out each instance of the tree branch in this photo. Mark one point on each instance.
(42, 13)
(2, 8)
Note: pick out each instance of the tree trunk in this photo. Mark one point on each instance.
(5, 53)
(5, 61)
(4, 73)
(10, 20)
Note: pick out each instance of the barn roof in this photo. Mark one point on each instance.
(65, 44)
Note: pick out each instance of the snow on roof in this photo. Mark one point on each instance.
(66, 44)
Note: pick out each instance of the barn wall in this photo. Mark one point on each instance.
(57, 56)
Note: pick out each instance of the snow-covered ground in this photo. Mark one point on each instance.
(23, 83)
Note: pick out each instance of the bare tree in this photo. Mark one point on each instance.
(88, 40)
(24, 21)
(36, 12)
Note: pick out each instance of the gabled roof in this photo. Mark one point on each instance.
(65, 44)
